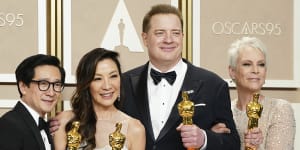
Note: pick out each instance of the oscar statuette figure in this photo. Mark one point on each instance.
(253, 110)
(117, 139)
(186, 110)
(73, 137)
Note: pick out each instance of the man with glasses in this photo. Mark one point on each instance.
(40, 81)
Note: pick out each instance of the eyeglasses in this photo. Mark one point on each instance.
(45, 85)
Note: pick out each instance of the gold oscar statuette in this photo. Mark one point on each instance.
(73, 136)
(253, 110)
(117, 139)
(186, 110)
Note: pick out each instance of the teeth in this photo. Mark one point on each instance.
(107, 94)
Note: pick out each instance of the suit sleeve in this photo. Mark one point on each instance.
(223, 113)
(9, 138)
(128, 103)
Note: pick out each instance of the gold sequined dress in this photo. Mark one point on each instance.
(277, 123)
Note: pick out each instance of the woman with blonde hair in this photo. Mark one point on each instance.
(247, 69)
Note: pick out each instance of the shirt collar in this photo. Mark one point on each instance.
(177, 68)
(33, 113)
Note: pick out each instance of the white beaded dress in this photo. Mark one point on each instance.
(277, 123)
(104, 127)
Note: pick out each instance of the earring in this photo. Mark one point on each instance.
(118, 99)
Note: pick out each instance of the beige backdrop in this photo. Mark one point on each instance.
(90, 20)
(222, 24)
(18, 39)
(18, 32)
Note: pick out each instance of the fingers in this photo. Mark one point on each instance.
(179, 127)
(253, 144)
(53, 129)
(255, 130)
(254, 137)
(220, 128)
(253, 133)
(53, 126)
(53, 123)
(192, 136)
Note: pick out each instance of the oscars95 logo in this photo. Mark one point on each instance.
(11, 19)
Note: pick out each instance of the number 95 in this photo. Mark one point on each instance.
(11, 19)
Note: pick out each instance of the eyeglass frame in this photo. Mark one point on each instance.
(49, 83)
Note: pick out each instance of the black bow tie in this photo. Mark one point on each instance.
(169, 76)
(43, 124)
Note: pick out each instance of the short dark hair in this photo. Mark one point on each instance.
(25, 70)
(160, 9)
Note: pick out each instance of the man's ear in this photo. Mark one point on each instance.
(22, 87)
(145, 36)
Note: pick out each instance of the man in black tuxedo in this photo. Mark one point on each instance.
(40, 81)
(152, 91)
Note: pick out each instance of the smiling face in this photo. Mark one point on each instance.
(105, 87)
(41, 101)
(250, 71)
(164, 40)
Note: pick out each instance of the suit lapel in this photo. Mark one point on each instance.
(189, 83)
(31, 124)
(140, 82)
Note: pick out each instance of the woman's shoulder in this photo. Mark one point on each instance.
(134, 125)
(135, 132)
(278, 103)
(136, 129)
(279, 106)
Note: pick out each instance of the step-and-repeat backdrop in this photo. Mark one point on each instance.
(117, 25)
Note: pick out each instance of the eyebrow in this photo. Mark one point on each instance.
(166, 30)
(115, 71)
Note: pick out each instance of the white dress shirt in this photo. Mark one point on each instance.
(163, 96)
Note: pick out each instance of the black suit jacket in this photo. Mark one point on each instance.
(208, 88)
(18, 131)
